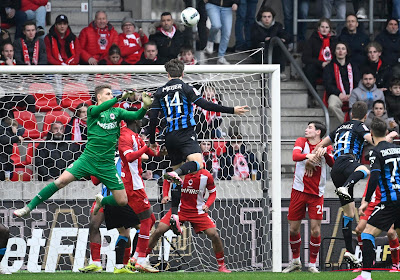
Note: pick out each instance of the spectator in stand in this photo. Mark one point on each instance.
(356, 39)
(244, 21)
(220, 14)
(31, 50)
(379, 110)
(7, 55)
(262, 31)
(96, 39)
(366, 91)
(187, 56)
(303, 6)
(317, 54)
(340, 76)
(382, 71)
(4, 36)
(35, 10)
(392, 97)
(10, 14)
(340, 6)
(131, 42)
(8, 136)
(150, 55)
(168, 38)
(76, 129)
(53, 156)
(62, 45)
(237, 163)
(210, 160)
(390, 42)
(114, 57)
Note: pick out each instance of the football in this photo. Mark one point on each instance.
(190, 16)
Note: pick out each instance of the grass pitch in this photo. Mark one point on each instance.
(199, 276)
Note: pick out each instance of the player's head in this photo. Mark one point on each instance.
(378, 127)
(315, 129)
(103, 93)
(174, 68)
(359, 110)
(134, 125)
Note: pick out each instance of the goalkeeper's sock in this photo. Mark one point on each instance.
(394, 250)
(295, 243)
(359, 240)
(2, 253)
(315, 243)
(347, 233)
(135, 241)
(220, 258)
(188, 167)
(109, 200)
(95, 252)
(175, 198)
(127, 255)
(43, 195)
(120, 246)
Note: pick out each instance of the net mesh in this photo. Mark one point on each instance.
(56, 236)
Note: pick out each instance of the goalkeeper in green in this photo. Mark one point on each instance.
(103, 124)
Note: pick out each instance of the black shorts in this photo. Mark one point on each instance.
(180, 144)
(385, 215)
(343, 167)
(120, 216)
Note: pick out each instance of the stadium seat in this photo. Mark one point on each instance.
(219, 147)
(74, 94)
(28, 121)
(30, 153)
(22, 174)
(16, 156)
(45, 97)
(54, 116)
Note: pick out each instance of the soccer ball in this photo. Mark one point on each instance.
(190, 17)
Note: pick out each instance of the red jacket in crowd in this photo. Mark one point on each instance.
(33, 5)
(131, 46)
(95, 42)
(65, 50)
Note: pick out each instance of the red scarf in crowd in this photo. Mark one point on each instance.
(35, 56)
(76, 130)
(169, 34)
(325, 51)
(379, 65)
(56, 52)
(104, 37)
(338, 78)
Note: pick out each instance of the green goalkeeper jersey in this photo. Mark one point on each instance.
(103, 122)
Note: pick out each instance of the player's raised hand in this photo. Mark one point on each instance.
(240, 110)
(147, 100)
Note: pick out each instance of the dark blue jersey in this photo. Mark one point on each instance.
(176, 100)
(385, 161)
(348, 138)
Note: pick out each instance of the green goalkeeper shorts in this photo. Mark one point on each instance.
(105, 172)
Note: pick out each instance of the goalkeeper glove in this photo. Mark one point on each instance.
(125, 94)
(147, 100)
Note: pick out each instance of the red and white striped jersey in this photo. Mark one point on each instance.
(194, 189)
(316, 183)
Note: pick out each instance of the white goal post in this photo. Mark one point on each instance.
(268, 78)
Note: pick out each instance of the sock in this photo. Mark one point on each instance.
(43, 195)
(220, 258)
(315, 243)
(394, 250)
(355, 177)
(120, 246)
(143, 242)
(366, 275)
(347, 233)
(135, 241)
(360, 243)
(141, 260)
(175, 198)
(188, 167)
(2, 253)
(95, 252)
(109, 200)
(295, 243)
(368, 251)
(127, 255)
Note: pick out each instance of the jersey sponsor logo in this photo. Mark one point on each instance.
(107, 126)
(190, 191)
(173, 87)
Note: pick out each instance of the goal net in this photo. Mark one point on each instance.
(242, 153)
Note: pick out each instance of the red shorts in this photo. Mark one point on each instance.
(91, 209)
(369, 210)
(299, 201)
(199, 222)
(138, 201)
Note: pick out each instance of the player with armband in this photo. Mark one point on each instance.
(103, 122)
(193, 209)
(4, 235)
(175, 99)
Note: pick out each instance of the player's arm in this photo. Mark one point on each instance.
(329, 156)
(298, 149)
(136, 115)
(165, 189)
(95, 110)
(373, 179)
(212, 190)
(125, 148)
(325, 142)
(211, 106)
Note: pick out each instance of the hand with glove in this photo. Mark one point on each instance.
(125, 94)
(147, 100)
